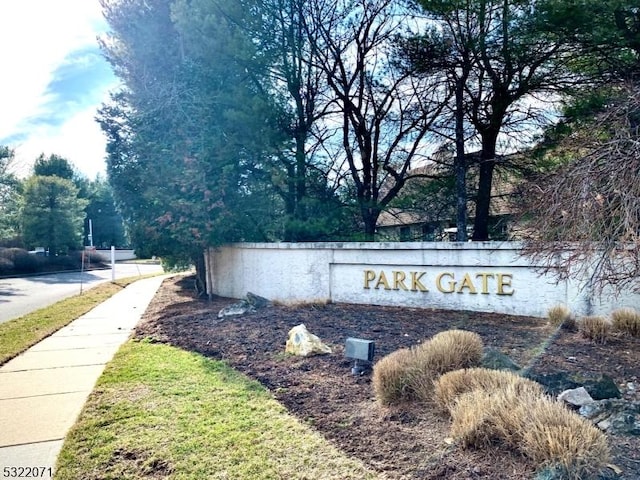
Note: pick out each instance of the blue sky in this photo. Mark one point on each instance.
(54, 79)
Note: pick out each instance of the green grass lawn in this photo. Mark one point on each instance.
(160, 412)
(23, 332)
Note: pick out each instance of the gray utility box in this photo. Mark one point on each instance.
(359, 349)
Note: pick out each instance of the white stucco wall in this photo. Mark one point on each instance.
(477, 276)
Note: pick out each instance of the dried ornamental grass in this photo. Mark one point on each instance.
(472, 415)
(626, 320)
(391, 377)
(451, 385)
(410, 374)
(540, 428)
(451, 350)
(560, 439)
(558, 315)
(595, 328)
(446, 351)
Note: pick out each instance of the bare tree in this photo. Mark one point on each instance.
(382, 114)
(585, 219)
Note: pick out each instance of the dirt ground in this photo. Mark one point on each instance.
(404, 443)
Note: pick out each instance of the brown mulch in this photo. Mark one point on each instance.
(404, 443)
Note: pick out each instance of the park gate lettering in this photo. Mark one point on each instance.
(483, 283)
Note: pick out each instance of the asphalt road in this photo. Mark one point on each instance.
(19, 296)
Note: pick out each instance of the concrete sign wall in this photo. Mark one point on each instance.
(476, 276)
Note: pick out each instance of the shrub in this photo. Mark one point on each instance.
(560, 439)
(472, 415)
(23, 261)
(452, 385)
(392, 377)
(540, 428)
(63, 262)
(594, 328)
(558, 315)
(410, 374)
(6, 266)
(626, 320)
(451, 350)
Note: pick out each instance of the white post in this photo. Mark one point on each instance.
(113, 263)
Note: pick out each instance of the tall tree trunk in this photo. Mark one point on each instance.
(201, 274)
(460, 166)
(290, 204)
(370, 219)
(485, 182)
(301, 177)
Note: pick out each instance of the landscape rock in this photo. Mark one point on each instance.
(240, 308)
(250, 304)
(559, 473)
(614, 416)
(257, 301)
(576, 397)
(303, 343)
(496, 360)
(602, 387)
(555, 383)
(599, 387)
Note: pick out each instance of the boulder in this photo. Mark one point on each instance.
(614, 416)
(555, 383)
(240, 308)
(257, 301)
(557, 472)
(250, 304)
(303, 343)
(496, 360)
(576, 397)
(599, 387)
(602, 387)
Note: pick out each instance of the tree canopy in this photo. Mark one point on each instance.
(52, 214)
(242, 120)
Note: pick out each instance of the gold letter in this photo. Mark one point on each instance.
(382, 280)
(467, 283)
(416, 285)
(452, 284)
(485, 281)
(398, 281)
(504, 280)
(369, 275)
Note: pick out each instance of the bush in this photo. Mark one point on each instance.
(451, 350)
(63, 262)
(6, 266)
(481, 418)
(558, 315)
(391, 377)
(626, 320)
(594, 328)
(454, 384)
(410, 374)
(23, 261)
(563, 441)
(536, 426)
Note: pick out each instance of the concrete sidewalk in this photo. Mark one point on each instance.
(43, 390)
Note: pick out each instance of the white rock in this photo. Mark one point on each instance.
(303, 343)
(576, 397)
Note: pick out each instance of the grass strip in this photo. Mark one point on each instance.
(23, 332)
(161, 412)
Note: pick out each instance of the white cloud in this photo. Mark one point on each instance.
(36, 37)
(79, 140)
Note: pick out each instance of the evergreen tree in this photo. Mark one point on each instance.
(52, 214)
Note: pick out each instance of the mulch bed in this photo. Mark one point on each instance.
(404, 443)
